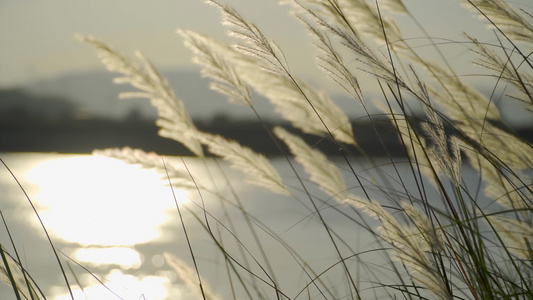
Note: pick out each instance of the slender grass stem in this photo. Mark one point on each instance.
(44, 229)
(185, 231)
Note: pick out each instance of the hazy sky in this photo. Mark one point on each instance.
(36, 37)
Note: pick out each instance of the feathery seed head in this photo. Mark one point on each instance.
(174, 121)
(322, 172)
(246, 160)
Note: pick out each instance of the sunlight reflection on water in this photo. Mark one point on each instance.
(125, 258)
(127, 286)
(93, 200)
(100, 210)
(118, 220)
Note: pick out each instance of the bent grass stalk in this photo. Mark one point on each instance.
(18, 261)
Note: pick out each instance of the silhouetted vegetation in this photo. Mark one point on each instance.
(29, 123)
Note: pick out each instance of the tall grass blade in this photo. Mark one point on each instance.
(44, 229)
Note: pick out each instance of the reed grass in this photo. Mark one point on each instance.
(437, 240)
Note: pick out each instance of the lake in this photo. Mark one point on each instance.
(118, 220)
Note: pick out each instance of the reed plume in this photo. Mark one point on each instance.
(265, 69)
(173, 119)
(179, 176)
(322, 171)
(211, 56)
(501, 16)
(242, 158)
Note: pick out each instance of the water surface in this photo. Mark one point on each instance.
(118, 220)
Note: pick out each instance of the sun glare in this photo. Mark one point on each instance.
(92, 200)
(125, 258)
(126, 286)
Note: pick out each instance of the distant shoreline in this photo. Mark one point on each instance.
(84, 136)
